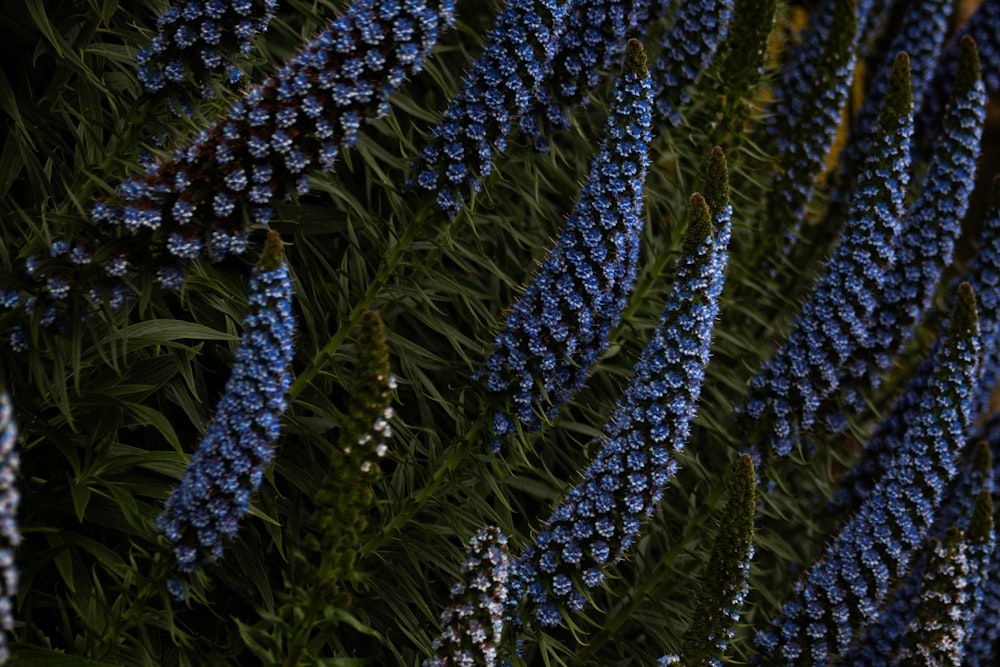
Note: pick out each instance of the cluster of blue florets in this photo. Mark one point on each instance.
(592, 42)
(295, 122)
(928, 232)
(848, 587)
(921, 35)
(904, 621)
(560, 326)
(10, 537)
(499, 88)
(808, 99)
(474, 623)
(981, 643)
(599, 519)
(204, 511)
(984, 27)
(689, 46)
(836, 320)
(196, 38)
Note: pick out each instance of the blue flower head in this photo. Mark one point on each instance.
(195, 38)
(836, 319)
(205, 509)
(847, 588)
(9, 535)
(296, 121)
(498, 89)
(474, 622)
(561, 324)
(592, 42)
(699, 27)
(927, 237)
(809, 96)
(983, 27)
(598, 520)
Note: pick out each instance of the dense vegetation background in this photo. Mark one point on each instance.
(348, 557)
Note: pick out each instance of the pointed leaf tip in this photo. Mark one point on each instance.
(635, 58)
(699, 230)
(969, 71)
(717, 181)
(273, 253)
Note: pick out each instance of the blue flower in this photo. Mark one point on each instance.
(689, 46)
(204, 511)
(295, 121)
(927, 236)
(809, 96)
(498, 88)
(846, 589)
(560, 326)
(473, 624)
(984, 27)
(944, 591)
(599, 519)
(592, 42)
(9, 535)
(836, 319)
(190, 38)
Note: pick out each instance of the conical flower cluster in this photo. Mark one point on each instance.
(592, 42)
(725, 587)
(10, 537)
(698, 29)
(847, 588)
(200, 202)
(932, 602)
(195, 38)
(204, 511)
(810, 94)
(498, 89)
(599, 519)
(983, 27)
(836, 319)
(474, 623)
(560, 326)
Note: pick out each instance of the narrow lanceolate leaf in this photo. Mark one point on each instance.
(915, 606)
(474, 623)
(929, 229)
(836, 319)
(498, 89)
(10, 537)
(809, 97)
(195, 40)
(687, 50)
(201, 202)
(560, 326)
(848, 587)
(725, 586)
(598, 520)
(204, 511)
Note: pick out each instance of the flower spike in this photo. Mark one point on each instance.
(204, 511)
(561, 324)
